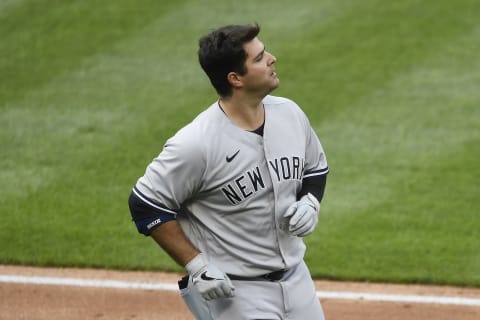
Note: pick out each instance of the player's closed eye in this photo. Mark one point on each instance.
(260, 56)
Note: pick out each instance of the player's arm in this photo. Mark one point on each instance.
(159, 222)
(303, 214)
(153, 219)
(171, 238)
(314, 183)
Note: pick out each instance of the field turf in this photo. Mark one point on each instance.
(90, 91)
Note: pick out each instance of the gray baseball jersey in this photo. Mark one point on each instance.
(230, 188)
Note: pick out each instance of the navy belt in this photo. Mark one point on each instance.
(272, 276)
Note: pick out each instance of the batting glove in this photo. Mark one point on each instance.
(208, 279)
(303, 216)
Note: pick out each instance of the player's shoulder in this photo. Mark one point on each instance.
(282, 104)
(194, 133)
(285, 108)
(276, 100)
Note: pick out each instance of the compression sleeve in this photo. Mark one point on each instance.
(314, 183)
(146, 213)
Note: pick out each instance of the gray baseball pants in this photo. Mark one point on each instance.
(291, 298)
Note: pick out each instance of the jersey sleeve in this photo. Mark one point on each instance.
(146, 213)
(316, 166)
(169, 180)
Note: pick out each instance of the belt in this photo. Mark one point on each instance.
(272, 276)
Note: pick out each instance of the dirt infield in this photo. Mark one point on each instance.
(72, 302)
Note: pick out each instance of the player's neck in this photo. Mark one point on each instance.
(248, 114)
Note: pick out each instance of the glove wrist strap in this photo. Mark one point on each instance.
(313, 201)
(196, 264)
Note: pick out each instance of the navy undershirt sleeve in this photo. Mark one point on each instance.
(314, 185)
(147, 214)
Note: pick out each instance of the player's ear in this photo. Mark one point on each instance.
(234, 80)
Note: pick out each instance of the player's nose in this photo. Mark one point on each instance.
(272, 59)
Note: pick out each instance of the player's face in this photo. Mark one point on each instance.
(261, 76)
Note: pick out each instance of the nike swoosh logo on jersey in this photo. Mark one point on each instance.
(229, 159)
(205, 277)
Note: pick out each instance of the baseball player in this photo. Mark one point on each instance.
(232, 194)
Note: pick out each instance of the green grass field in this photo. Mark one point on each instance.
(90, 91)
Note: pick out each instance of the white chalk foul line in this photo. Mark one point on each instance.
(76, 282)
(117, 284)
(398, 298)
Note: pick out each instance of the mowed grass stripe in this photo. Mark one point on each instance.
(101, 121)
(70, 147)
(83, 113)
(367, 46)
(43, 38)
(406, 176)
(6, 5)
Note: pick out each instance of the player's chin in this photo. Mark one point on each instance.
(274, 79)
(273, 87)
(275, 83)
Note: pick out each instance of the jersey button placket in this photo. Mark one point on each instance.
(266, 153)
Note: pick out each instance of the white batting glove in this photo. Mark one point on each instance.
(303, 216)
(208, 279)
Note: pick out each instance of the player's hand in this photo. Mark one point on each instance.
(303, 216)
(210, 281)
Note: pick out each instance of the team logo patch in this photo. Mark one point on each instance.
(251, 181)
